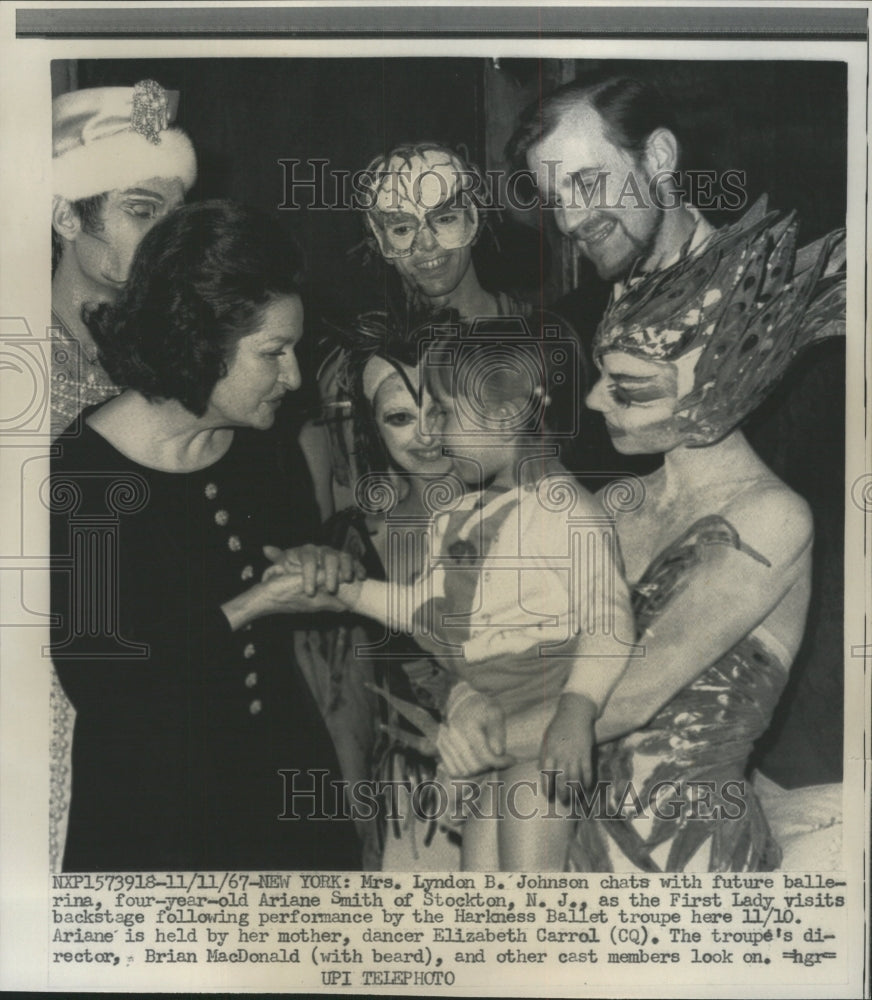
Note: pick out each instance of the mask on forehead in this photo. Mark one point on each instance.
(379, 369)
(424, 190)
(732, 317)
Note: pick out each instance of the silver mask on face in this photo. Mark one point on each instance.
(426, 190)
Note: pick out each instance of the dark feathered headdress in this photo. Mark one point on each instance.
(748, 301)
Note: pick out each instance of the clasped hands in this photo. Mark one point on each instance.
(472, 738)
(311, 578)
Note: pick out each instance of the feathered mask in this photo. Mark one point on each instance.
(747, 303)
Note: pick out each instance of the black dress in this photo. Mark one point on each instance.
(194, 747)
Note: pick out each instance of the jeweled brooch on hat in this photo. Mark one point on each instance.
(150, 115)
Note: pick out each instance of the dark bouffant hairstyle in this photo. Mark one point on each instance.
(631, 109)
(199, 282)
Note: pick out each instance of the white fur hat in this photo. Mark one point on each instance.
(106, 138)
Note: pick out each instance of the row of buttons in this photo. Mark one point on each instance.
(234, 543)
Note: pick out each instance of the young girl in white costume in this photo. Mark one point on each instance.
(521, 601)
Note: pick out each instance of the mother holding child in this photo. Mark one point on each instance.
(715, 548)
(484, 587)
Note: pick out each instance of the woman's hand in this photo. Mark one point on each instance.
(307, 579)
(321, 567)
(281, 595)
(473, 737)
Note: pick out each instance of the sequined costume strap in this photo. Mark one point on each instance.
(666, 576)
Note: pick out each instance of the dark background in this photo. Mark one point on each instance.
(784, 123)
(244, 115)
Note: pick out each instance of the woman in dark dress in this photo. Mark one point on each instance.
(198, 743)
